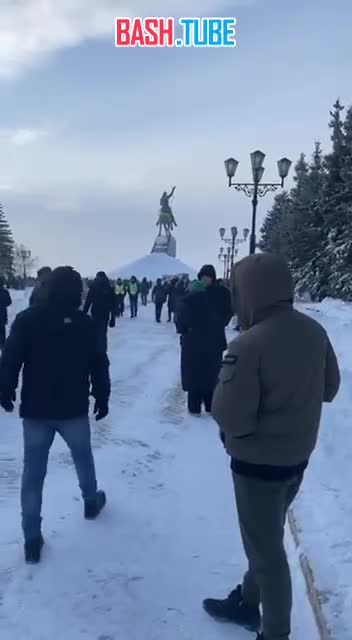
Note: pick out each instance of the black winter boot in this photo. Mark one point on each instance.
(208, 401)
(93, 506)
(234, 609)
(194, 403)
(32, 549)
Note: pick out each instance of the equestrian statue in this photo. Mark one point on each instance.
(166, 218)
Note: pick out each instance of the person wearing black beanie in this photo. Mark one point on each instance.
(40, 291)
(101, 304)
(55, 346)
(201, 320)
(208, 272)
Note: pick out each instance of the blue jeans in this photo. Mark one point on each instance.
(134, 306)
(38, 436)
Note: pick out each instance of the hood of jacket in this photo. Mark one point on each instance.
(261, 285)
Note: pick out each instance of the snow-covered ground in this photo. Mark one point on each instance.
(324, 508)
(169, 536)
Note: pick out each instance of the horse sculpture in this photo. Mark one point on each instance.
(166, 218)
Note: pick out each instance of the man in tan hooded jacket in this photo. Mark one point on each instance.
(274, 380)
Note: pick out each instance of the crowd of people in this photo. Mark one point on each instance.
(265, 391)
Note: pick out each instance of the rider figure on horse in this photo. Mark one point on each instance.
(166, 217)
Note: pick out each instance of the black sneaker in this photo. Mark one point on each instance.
(93, 506)
(234, 609)
(32, 550)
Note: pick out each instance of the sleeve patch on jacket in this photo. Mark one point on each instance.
(230, 360)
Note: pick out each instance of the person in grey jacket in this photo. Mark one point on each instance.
(268, 403)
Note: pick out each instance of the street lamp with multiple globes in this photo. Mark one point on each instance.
(225, 257)
(256, 189)
(232, 250)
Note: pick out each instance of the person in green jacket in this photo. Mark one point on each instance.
(133, 292)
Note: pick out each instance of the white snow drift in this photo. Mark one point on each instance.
(153, 266)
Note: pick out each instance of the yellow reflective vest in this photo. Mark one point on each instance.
(119, 289)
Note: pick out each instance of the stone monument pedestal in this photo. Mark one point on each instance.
(165, 244)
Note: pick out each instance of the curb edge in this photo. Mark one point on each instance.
(312, 591)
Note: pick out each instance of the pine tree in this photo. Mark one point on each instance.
(276, 228)
(334, 161)
(6, 247)
(312, 224)
(339, 212)
(308, 236)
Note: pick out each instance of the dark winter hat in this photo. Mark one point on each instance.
(209, 271)
(65, 289)
(101, 275)
(44, 272)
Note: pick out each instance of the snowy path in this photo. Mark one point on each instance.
(168, 537)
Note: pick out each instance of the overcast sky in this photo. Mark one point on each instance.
(92, 135)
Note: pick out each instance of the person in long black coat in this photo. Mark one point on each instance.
(101, 303)
(201, 321)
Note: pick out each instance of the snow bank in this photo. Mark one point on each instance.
(20, 300)
(336, 308)
(153, 266)
(323, 510)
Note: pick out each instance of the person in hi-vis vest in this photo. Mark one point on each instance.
(133, 292)
(120, 293)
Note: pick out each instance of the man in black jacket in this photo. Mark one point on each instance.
(145, 288)
(5, 302)
(101, 302)
(40, 291)
(159, 299)
(55, 347)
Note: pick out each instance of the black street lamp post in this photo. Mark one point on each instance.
(232, 250)
(256, 189)
(225, 257)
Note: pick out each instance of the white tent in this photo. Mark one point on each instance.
(154, 266)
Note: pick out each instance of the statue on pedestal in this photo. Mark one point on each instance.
(166, 218)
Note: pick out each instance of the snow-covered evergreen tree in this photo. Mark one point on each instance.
(338, 210)
(308, 240)
(312, 225)
(277, 225)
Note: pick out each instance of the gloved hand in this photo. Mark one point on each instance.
(6, 403)
(112, 323)
(100, 410)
